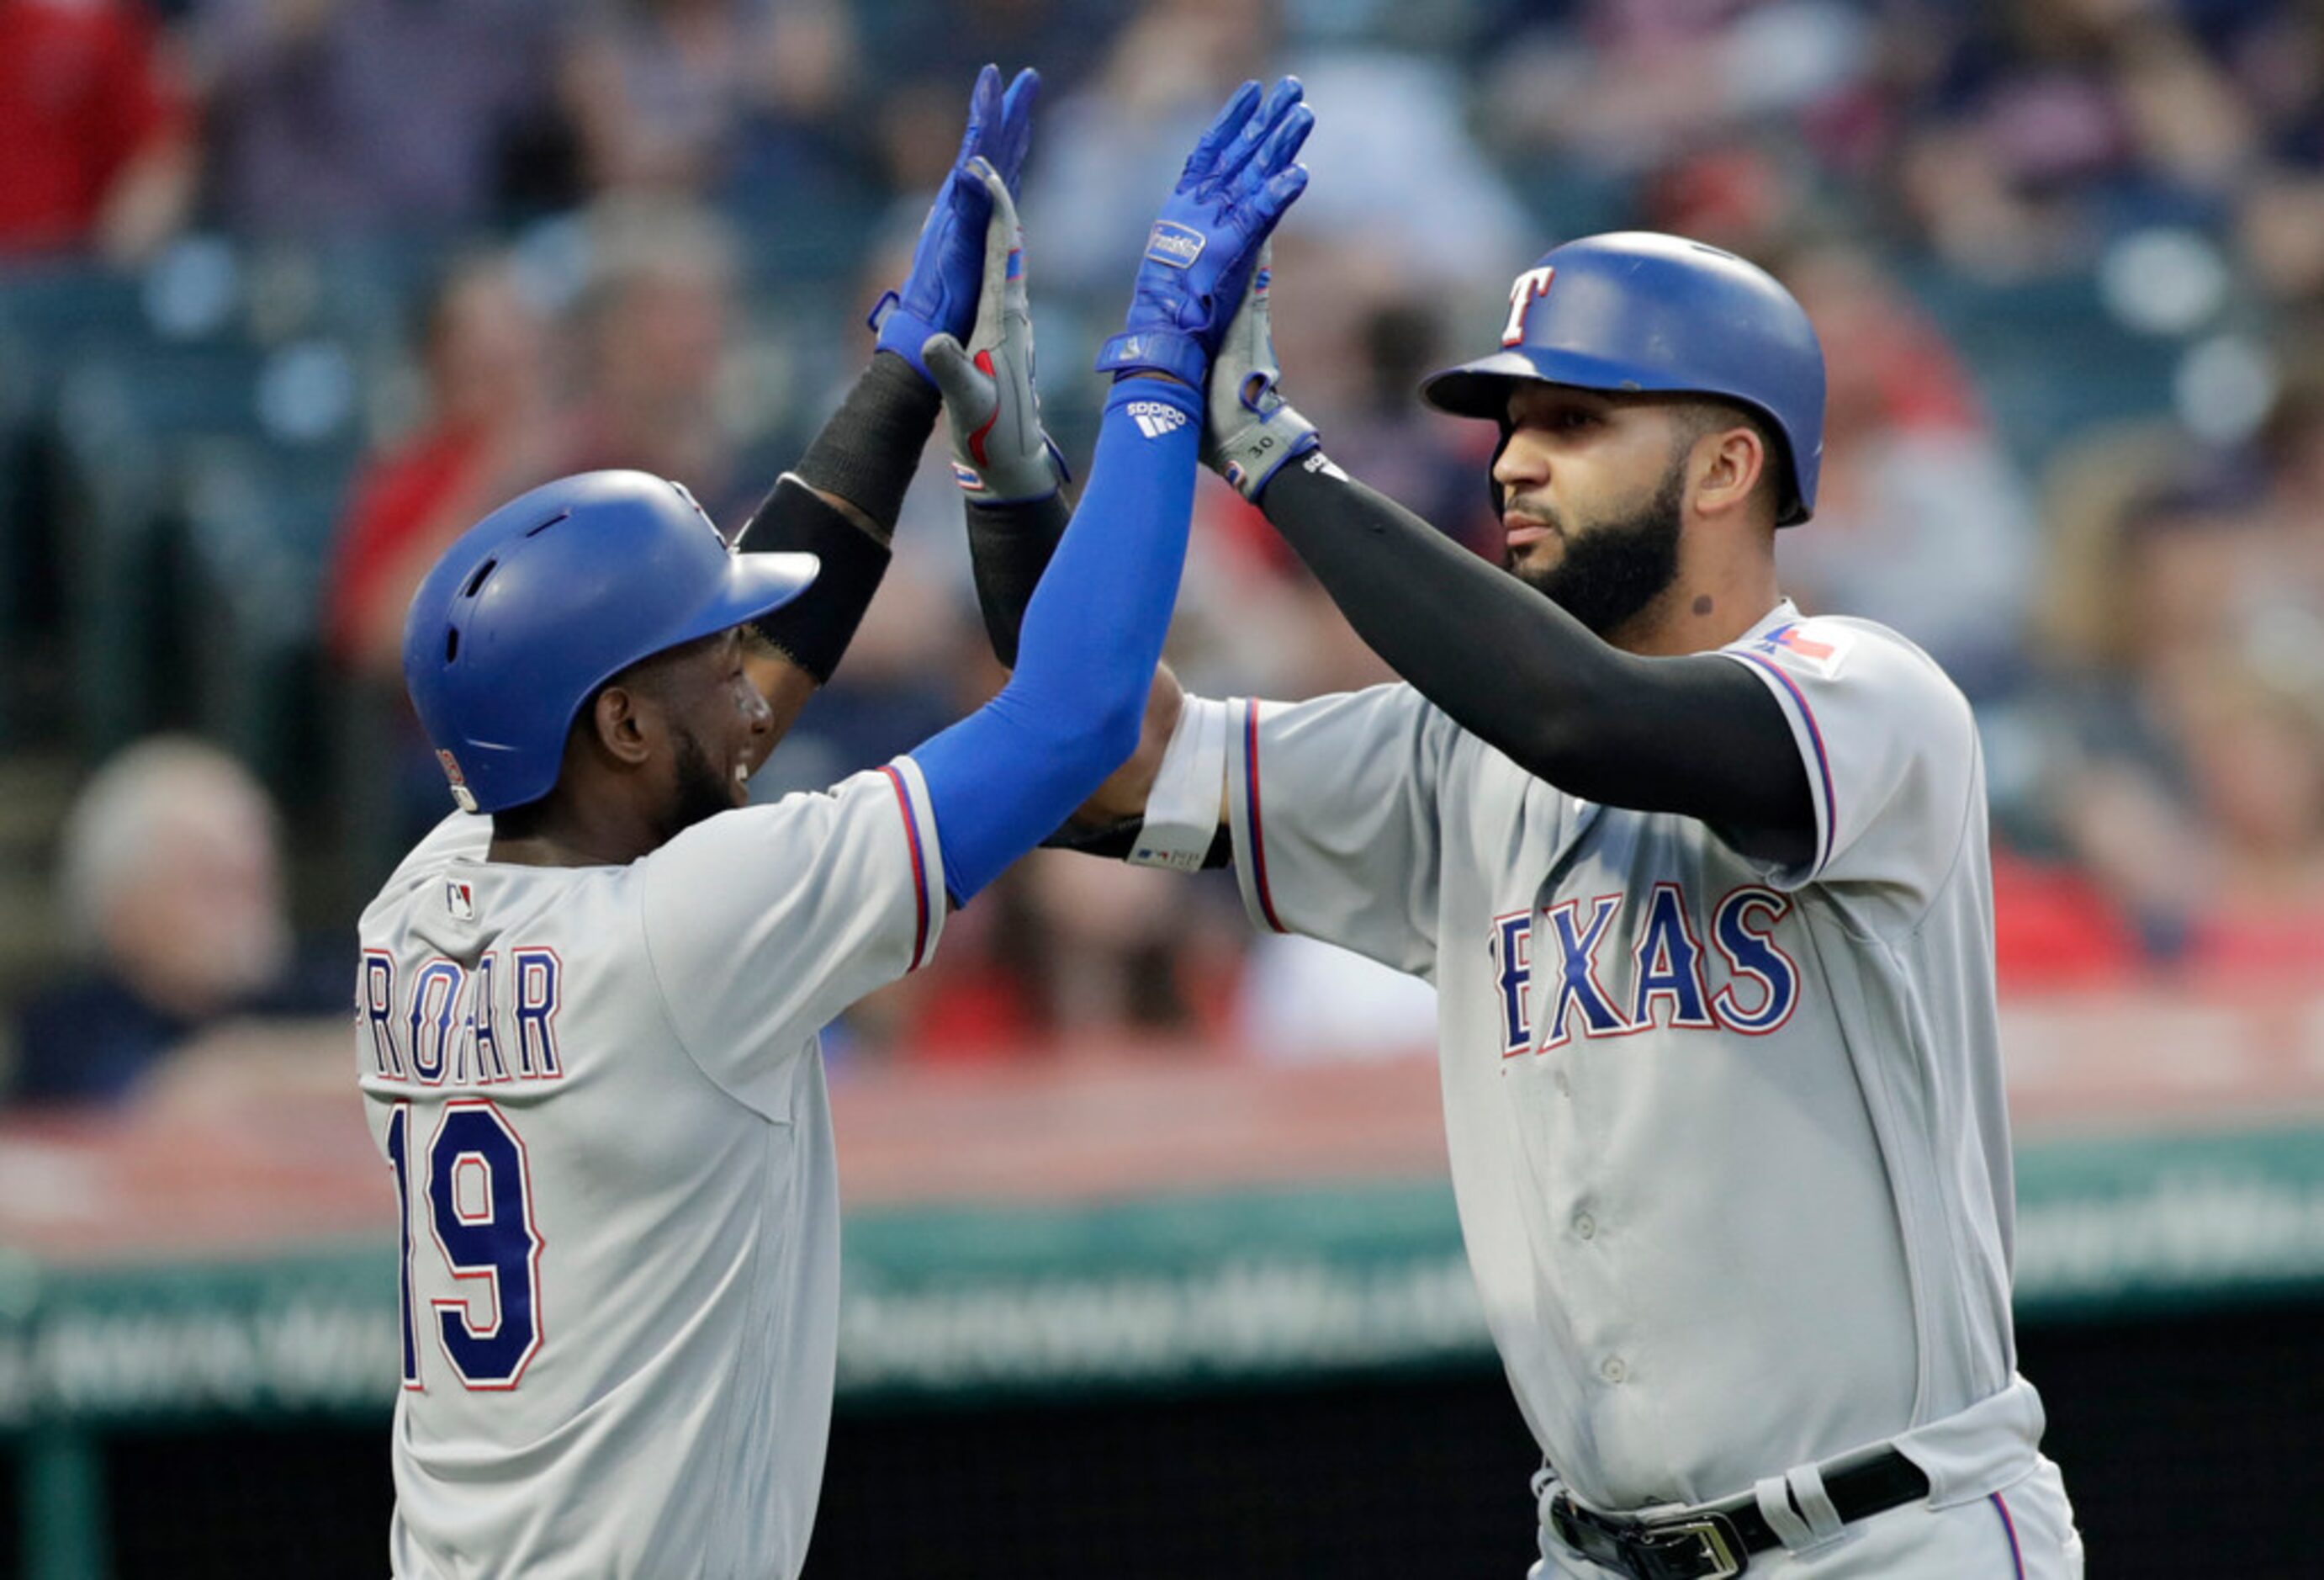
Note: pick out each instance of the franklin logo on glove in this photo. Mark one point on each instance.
(1173, 244)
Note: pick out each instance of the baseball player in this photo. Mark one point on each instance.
(588, 1001)
(1702, 887)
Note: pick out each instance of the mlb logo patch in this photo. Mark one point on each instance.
(460, 899)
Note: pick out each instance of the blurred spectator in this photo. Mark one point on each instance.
(490, 430)
(489, 433)
(1588, 99)
(2146, 779)
(663, 91)
(96, 145)
(1413, 186)
(2054, 927)
(2254, 741)
(2155, 738)
(2279, 229)
(935, 46)
(1123, 950)
(1922, 523)
(2291, 441)
(1435, 464)
(656, 327)
(368, 116)
(927, 51)
(1107, 153)
(1068, 956)
(170, 884)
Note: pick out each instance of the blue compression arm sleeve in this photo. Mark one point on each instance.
(1004, 777)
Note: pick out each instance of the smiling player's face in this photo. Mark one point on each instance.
(1592, 488)
(719, 727)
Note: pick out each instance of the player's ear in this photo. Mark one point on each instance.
(1728, 464)
(624, 721)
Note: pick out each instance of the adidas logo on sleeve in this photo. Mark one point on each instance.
(1155, 418)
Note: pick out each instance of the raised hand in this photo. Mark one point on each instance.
(1199, 257)
(999, 455)
(1248, 429)
(939, 296)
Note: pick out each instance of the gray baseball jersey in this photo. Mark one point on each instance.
(1727, 1140)
(599, 1092)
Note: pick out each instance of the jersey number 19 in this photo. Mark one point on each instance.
(477, 1190)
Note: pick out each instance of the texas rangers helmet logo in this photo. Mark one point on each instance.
(1529, 288)
(461, 795)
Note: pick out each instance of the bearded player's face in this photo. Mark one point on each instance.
(719, 729)
(1592, 489)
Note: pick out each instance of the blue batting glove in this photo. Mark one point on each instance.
(939, 297)
(1199, 257)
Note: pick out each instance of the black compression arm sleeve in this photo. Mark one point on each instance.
(813, 629)
(865, 455)
(1698, 735)
(1008, 548)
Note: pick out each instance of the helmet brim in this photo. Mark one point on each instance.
(755, 584)
(1481, 388)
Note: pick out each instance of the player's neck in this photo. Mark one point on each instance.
(569, 834)
(1722, 589)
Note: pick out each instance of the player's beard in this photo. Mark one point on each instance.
(700, 791)
(1618, 567)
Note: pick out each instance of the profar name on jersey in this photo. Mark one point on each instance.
(448, 1024)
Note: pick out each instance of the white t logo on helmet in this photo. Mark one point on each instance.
(1529, 288)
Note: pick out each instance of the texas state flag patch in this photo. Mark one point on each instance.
(1820, 649)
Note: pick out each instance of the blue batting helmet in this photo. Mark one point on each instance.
(1635, 310)
(552, 595)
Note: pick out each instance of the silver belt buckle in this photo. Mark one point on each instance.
(1713, 1535)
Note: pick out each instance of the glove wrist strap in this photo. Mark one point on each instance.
(1249, 459)
(900, 332)
(1154, 351)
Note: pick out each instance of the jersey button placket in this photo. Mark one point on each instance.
(1585, 1225)
(1614, 1371)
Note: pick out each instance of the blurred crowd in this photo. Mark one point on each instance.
(2066, 256)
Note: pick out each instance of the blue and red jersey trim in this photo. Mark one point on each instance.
(920, 884)
(1822, 754)
(1250, 801)
(2016, 1553)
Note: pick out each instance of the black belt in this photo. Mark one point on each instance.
(1716, 1540)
